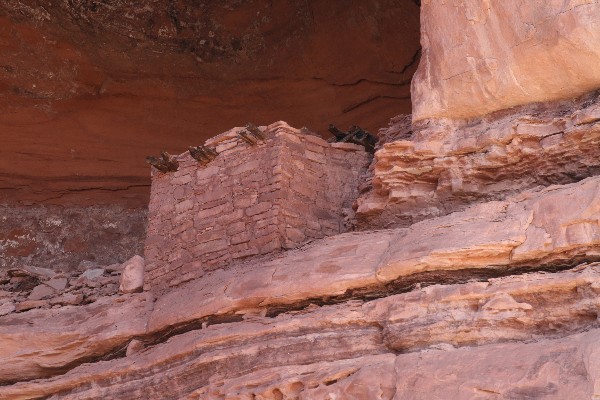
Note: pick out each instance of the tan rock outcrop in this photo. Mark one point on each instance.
(483, 56)
(447, 165)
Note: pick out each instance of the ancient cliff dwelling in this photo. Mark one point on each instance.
(313, 199)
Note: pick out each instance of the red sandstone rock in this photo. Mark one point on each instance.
(39, 342)
(66, 236)
(6, 308)
(351, 348)
(483, 238)
(132, 277)
(57, 284)
(42, 291)
(160, 81)
(352, 263)
(67, 299)
(135, 346)
(31, 304)
(413, 313)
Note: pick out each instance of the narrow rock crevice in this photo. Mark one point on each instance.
(415, 58)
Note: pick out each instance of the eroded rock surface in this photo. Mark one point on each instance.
(275, 313)
(437, 168)
(39, 343)
(486, 286)
(484, 56)
(338, 348)
(336, 310)
(486, 240)
(132, 277)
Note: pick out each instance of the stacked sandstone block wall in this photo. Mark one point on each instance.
(250, 200)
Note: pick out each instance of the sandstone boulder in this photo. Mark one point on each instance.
(92, 274)
(57, 284)
(42, 291)
(132, 277)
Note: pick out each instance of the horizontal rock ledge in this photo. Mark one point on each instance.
(40, 343)
(542, 369)
(344, 339)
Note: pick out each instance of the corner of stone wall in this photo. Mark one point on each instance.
(251, 200)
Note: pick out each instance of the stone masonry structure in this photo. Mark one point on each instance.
(250, 200)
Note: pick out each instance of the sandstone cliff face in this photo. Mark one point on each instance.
(90, 88)
(63, 238)
(485, 56)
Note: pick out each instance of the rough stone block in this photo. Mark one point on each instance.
(132, 278)
(316, 140)
(184, 206)
(182, 180)
(207, 173)
(259, 208)
(295, 235)
(246, 167)
(41, 292)
(236, 228)
(240, 238)
(209, 247)
(214, 211)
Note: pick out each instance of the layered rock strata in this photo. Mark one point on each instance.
(443, 166)
(265, 357)
(485, 287)
(227, 333)
(487, 240)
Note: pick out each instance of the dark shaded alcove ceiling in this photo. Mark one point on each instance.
(89, 88)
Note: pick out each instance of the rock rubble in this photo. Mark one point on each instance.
(28, 287)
